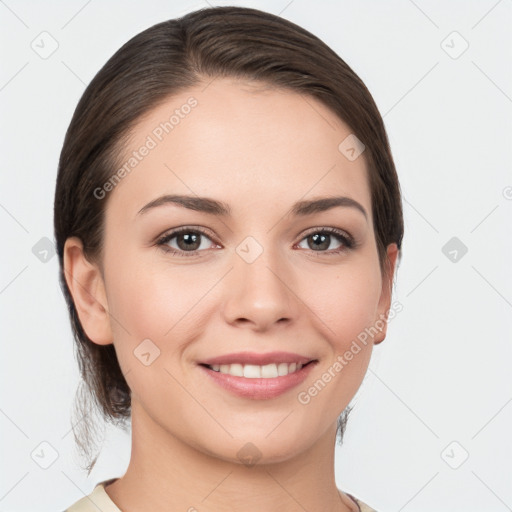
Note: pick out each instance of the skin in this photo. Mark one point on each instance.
(259, 150)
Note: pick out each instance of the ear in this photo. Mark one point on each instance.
(386, 292)
(87, 288)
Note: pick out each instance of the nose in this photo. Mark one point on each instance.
(260, 294)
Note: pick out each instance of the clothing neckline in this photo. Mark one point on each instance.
(100, 489)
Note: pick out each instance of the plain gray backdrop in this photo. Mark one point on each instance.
(431, 424)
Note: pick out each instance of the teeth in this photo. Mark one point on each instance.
(269, 371)
(252, 371)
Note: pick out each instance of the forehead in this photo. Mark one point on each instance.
(237, 141)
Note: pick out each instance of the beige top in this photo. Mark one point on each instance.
(99, 501)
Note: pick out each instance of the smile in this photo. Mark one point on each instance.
(252, 371)
(258, 376)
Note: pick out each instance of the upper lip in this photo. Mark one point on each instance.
(258, 359)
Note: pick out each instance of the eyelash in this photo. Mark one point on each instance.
(347, 240)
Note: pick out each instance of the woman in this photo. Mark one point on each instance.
(228, 221)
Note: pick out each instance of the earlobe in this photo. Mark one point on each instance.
(87, 288)
(386, 293)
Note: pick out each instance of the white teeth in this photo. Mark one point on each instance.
(269, 371)
(252, 371)
(236, 369)
(282, 369)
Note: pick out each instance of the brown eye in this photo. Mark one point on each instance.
(323, 239)
(188, 241)
(185, 242)
(319, 241)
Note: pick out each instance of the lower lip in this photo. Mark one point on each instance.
(259, 389)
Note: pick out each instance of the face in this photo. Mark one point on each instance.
(248, 265)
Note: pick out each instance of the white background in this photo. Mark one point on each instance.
(444, 372)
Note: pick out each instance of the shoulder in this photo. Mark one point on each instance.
(98, 499)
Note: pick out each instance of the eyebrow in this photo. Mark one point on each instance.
(214, 207)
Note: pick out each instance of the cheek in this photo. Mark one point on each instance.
(148, 307)
(346, 315)
(149, 300)
(140, 303)
(346, 303)
(345, 307)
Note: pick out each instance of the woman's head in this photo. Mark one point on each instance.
(250, 110)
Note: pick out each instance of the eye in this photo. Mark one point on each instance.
(188, 241)
(321, 239)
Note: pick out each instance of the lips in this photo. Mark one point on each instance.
(248, 384)
(258, 359)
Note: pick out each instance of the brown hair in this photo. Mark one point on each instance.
(163, 60)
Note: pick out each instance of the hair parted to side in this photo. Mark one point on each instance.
(157, 63)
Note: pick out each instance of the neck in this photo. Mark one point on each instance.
(166, 472)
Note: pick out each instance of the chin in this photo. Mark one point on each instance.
(261, 448)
